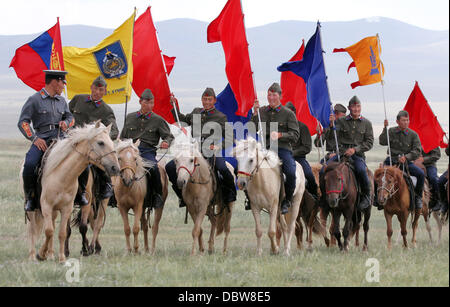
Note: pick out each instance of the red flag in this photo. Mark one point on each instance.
(423, 121)
(44, 52)
(148, 66)
(293, 89)
(169, 62)
(230, 30)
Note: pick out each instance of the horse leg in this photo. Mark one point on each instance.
(126, 226)
(65, 217)
(212, 234)
(227, 227)
(144, 227)
(389, 230)
(197, 232)
(66, 243)
(439, 225)
(155, 228)
(51, 250)
(273, 231)
(426, 215)
(324, 216)
(336, 228)
(347, 229)
(258, 230)
(403, 219)
(137, 226)
(291, 218)
(48, 230)
(98, 224)
(83, 228)
(299, 234)
(366, 229)
(414, 226)
(34, 229)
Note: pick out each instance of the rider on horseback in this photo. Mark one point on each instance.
(429, 160)
(198, 118)
(285, 136)
(149, 127)
(355, 137)
(405, 148)
(49, 113)
(87, 109)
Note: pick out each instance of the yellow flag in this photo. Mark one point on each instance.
(112, 58)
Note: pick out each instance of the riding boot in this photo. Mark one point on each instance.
(81, 198)
(180, 196)
(247, 201)
(418, 201)
(322, 200)
(286, 204)
(364, 202)
(155, 179)
(228, 190)
(375, 198)
(435, 202)
(106, 189)
(29, 191)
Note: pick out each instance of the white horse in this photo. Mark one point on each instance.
(259, 173)
(199, 190)
(65, 162)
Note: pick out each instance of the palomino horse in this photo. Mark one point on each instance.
(202, 196)
(259, 172)
(65, 162)
(393, 196)
(340, 186)
(130, 190)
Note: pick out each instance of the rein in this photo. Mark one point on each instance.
(133, 170)
(88, 155)
(255, 170)
(191, 173)
(341, 177)
(391, 191)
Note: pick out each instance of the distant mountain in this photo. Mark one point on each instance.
(409, 53)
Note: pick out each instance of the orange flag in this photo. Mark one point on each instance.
(366, 59)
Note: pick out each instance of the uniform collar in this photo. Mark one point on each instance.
(146, 115)
(44, 94)
(349, 117)
(277, 109)
(97, 103)
(398, 130)
(209, 112)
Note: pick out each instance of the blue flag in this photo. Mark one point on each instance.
(312, 70)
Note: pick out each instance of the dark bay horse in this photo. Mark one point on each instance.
(342, 196)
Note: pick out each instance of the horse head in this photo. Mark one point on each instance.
(386, 179)
(336, 178)
(246, 153)
(129, 160)
(187, 160)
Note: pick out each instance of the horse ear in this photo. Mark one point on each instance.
(98, 123)
(137, 143)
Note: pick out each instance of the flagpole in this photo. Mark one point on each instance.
(384, 102)
(253, 78)
(329, 96)
(126, 107)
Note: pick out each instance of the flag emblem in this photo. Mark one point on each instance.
(111, 60)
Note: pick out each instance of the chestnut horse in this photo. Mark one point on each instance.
(342, 196)
(130, 190)
(393, 196)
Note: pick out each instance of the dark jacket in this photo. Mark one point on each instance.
(402, 143)
(354, 133)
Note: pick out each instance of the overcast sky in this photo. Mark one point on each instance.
(27, 17)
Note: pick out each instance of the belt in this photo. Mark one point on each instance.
(147, 145)
(43, 129)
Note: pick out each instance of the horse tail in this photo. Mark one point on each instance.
(76, 221)
(223, 220)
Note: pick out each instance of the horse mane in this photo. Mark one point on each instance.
(272, 158)
(64, 147)
(332, 166)
(141, 163)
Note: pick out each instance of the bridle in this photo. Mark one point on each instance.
(255, 170)
(392, 190)
(88, 155)
(191, 173)
(341, 189)
(133, 170)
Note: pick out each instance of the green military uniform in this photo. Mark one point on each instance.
(86, 111)
(430, 158)
(405, 143)
(354, 133)
(287, 124)
(149, 128)
(429, 161)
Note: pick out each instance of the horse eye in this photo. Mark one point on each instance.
(192, 161)
(101, 143)
(250, 161)
(120, 159)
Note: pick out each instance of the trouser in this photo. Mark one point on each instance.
(434, 182)
(311, 180)
(155, 176)
(416, 172)
(441, 183)
(288, 168)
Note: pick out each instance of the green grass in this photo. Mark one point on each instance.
(426, 265)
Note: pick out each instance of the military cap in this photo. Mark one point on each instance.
(290, 106)
(55, 74)
(402, 113)
(209, 92)
(354, 100)
(340, 108)
(147, 94)
(275, 88)
(100, 81)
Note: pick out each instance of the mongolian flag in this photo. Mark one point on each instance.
(423, 121)
(148, 62)
(43, 53)
(112, 58)
(229, 29)
(366, 59)
(312, 70)
(294, 90)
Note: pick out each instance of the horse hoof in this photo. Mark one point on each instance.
(38, 257)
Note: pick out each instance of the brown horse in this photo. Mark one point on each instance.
(130, 190)
(340, 186)
(393, 196)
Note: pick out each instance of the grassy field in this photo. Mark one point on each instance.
(426, 265)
